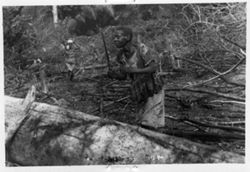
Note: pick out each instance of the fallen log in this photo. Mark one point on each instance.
(57, 136)
(24, 108)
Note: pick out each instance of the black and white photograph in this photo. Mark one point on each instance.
(124, 84)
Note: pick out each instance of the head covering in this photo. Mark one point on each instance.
(70, 41)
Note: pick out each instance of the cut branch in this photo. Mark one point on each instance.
(234, 43)
(232, 123)
(215, 72)
(220, 75)
(205, 136)
(95, 66)
(107, 105)
(216, 126)
(201, 22)
(207, 92)
(198, 124)
(223, 101)
(183, 121)
(238, 55)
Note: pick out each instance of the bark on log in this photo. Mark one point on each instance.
(24, 108)
(57, 136)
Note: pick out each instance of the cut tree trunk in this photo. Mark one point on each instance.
(56, 136)
(55, 15)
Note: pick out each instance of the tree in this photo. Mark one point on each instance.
(55, 15)
(216, 34)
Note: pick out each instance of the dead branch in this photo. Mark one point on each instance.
(204, 136)
(202, 22)
(238, 55)
(107, 105)
(199, 64)
(215, 72)
(121, 86)
(183, 121)
(223, 101)
(110, 83)
(95, 66)
(216, 126)
(43, 81)
(207, 92)
(232, 123)
(232, 42)
(218, 76)
(101, 106)
(198, 124)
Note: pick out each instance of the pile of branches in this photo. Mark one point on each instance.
(114, 100)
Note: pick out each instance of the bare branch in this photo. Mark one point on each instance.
(202, 22)
(223, 101)
(231, 97)
(215, 72)
(216, 126)
(218, 76)
(231, 123)
(188, 20)
(238, 55)
(205, 136)
(243, 52)
(234, 43)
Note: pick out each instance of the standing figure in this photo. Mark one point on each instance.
(71, 59)
(37, 70)
(140, 66)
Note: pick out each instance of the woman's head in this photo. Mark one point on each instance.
(122, 36)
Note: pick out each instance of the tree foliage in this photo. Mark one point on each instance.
(203, 30)
(216, 33)
(20, 39)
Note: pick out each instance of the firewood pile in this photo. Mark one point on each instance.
(210, 124)
(113, 98)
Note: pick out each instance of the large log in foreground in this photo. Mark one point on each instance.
(55, 136)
